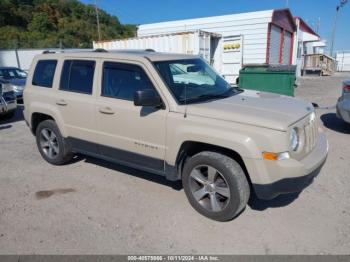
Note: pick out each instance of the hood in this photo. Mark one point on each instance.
(18, 81)
(255, 108)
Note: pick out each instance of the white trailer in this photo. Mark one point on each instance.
(223, 54)
(264, 37)
(195, 42)
(268, 35)
(343, 61)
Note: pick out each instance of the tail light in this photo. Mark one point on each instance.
(346, 88)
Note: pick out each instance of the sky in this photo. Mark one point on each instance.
(150, 11)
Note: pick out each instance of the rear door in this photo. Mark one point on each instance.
(232, 58)
(76, 101)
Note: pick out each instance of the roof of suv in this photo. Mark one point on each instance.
(148, 54)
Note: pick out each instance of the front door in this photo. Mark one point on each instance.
(127, 133)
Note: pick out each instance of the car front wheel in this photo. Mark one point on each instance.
(215, 185)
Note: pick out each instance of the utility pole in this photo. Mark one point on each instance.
(342, 4)
(318, 25)
(16, 52)
(61, 44)
(98, 21)
(287, 3)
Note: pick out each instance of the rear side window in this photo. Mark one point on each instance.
(77, 76)
(123, 80)
(44, 73)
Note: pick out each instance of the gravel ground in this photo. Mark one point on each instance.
(93, 207)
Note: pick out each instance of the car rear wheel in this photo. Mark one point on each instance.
(51, 144)
(215, 185)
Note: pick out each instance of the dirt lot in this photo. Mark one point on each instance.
(93, 207)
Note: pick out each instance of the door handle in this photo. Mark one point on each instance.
(61, 102)
(106, 110)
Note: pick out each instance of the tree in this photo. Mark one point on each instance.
(43, 23)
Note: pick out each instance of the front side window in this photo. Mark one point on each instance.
(77, 76)
(192, 80)
(44, 73)
(123, 80)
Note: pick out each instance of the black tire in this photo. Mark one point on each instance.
(64, 154)
(10, 114)
(230, 173)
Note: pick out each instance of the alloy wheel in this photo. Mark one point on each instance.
(49, 143)
(209, 188)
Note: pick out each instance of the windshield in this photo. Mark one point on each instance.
(12, 73)
(192, 80)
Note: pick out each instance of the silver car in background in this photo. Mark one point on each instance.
(343, 105)
(16, 77)
(8, 101)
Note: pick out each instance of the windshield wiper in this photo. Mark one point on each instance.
(208, 96)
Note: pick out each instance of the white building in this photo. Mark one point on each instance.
(306, 42)
(263, 37)
(266, 37)
(343, 61)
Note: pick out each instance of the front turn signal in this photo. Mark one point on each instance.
(275, 156)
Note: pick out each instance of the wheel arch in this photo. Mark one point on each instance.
(190, 148)
(37, 118)
(41, 112)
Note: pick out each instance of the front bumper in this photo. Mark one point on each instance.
(296, 175)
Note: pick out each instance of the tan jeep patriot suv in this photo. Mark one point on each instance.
(173, 115)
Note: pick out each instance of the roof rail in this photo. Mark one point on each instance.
(100, 50)
(150, 50)
(48, 52)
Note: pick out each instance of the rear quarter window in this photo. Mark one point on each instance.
(44, 73)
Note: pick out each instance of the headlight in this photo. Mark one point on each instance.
(17, 88)
(7, 88)
(294, 139)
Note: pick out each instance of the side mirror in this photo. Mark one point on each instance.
(147, 97)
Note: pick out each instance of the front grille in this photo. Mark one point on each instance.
(9, 97)
(310, 131)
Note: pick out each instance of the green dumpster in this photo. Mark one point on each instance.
(278, 79)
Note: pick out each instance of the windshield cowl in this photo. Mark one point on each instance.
(209, 97)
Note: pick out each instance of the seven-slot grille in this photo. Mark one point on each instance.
(310, 131)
